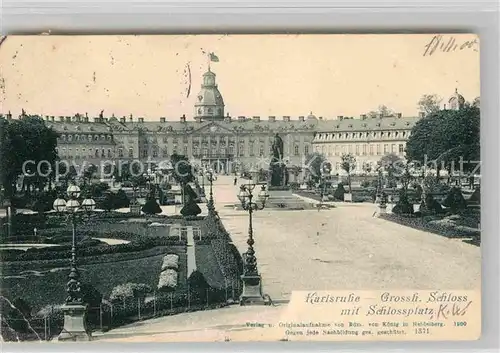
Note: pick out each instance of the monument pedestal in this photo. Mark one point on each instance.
(75, 328)
(283, 197)
(252, 291)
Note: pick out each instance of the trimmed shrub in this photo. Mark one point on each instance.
(476, 196)
(151, 207)
(455, 201)
(121, 199)
(339, 192)
(403, 206)
(191, 208)
(430, 206)
(198, 285)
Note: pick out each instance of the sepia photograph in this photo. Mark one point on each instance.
(231, 187)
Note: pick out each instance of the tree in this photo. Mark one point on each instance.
(22, 140)
(348, 164)
(429, 103)
(316, 163)
(109, 201)
(476, 102)
(183, 171)
(121, 199)
(382, 110)
(392, 165)
(449, 138)
(88, 173)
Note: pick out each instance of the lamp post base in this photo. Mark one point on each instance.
(252, 291)
(75, 328)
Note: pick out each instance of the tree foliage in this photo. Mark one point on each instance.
(316, 164)
(447, 136)
(21, 140)
(183, 171)
(429, 104)
(348, 164)
(382, 110)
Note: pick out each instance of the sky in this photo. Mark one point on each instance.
(257, 75)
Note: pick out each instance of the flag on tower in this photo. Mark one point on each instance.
(214, 58)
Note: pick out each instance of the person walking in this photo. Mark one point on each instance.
(235, 180)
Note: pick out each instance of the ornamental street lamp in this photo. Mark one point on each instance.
(210, 177)
(252, 283)
(74, 309)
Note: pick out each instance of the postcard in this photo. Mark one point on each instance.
(223, 187)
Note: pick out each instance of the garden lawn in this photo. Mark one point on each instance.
(45, 287)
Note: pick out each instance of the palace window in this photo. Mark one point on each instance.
(371, 150)
(378, 150)
(109, 153)
(393, 148)
(336, 150)
(401, 148)
(97, 152)
(323, 150)
(120, 152)
(389, 135)
(70, 137)
(77, 153)
(155, 152)
(102, 153)
(306, 150)
(330, 150)
(386, 148)
(77, 137)
(250, 149)
(64, 152)
(364, 150)
(131, 152)
(205, 152)
(261, 150)
(357, 150)
(185, 150)
(231, 149)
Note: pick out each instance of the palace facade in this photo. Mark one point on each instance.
(231, 143)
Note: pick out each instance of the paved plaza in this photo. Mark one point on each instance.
(346, 248)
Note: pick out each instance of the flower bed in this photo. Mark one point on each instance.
(167, 280)
(170, 261)
(435, 225)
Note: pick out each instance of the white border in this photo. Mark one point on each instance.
(76, 17)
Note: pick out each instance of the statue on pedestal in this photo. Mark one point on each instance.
(277, 167)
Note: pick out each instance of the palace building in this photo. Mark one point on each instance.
(229, 143)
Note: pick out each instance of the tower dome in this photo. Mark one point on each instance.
(456, 101)
(311, 116)
(209, 103)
